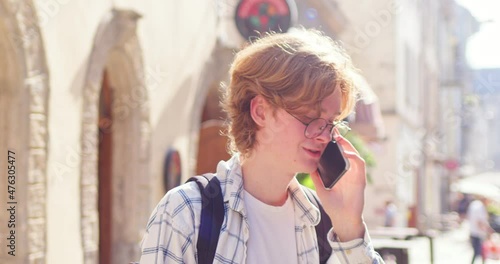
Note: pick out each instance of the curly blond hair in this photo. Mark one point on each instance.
(294, 71)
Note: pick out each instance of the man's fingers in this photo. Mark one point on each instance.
(317, 182)
(345, 144)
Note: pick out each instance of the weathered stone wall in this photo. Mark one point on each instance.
(24, 93)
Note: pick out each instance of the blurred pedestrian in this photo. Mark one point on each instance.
(463, 205)
(477, 216)
(391, 211)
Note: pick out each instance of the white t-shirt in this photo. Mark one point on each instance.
(475, 214)
(271, 236)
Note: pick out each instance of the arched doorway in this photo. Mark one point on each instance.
(115, 144)
(23, 131)
(105, 165)
(212, 145)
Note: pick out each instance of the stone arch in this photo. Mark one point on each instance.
(117, 51)
(215, 72)
(24, 91)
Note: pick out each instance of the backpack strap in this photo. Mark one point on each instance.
(322, 228)
(212, 216)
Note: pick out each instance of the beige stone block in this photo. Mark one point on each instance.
(91, 128)
(36, 235)
(38, 91)
(89, 173)
(90, 233)
(90, 142)
(91, 257)
(37, 166)
(38, 131)
(89, 200)
(36, 196)
(37, 258)
(91, 99)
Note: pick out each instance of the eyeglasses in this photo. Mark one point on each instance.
(316, 127)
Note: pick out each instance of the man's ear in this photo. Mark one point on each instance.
(258, 110)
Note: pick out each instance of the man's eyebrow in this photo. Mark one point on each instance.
(325, 110)
(334, 118)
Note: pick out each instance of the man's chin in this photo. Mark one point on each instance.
(311, 168)
(307, 166)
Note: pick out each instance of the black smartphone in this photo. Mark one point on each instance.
(332, 165)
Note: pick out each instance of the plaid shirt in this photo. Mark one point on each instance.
(172, 230)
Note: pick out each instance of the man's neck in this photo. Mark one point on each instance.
(265, 181)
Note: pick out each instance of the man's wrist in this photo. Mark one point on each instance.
(349, 232)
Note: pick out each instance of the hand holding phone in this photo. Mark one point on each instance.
(332, 165)
(344, 204)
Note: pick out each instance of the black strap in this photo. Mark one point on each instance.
(212, 216)
(322, 228)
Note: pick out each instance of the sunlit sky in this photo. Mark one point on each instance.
(483, 48)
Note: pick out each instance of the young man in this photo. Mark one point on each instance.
(286, 95)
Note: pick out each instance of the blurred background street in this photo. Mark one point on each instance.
(450, 247)
(108, 105)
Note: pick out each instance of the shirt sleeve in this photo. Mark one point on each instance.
(359, 250)
(165, 241)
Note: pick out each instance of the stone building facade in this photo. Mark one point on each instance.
(24, 133)
(408, 51)
(95, 94)
(92, 94)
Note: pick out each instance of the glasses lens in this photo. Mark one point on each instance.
(316, 127)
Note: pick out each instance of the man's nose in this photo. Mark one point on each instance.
(326, 135)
